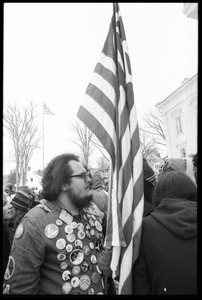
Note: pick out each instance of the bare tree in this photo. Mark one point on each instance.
(23, 132)
(103, 164)
(83, 141)
(153, 126)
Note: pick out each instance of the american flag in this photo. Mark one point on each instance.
(109, 111)
(46, 110)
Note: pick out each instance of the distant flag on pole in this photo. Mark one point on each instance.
(46, 110)
(109, 111)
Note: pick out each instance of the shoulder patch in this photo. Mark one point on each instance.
(19, 231)
(10, 268)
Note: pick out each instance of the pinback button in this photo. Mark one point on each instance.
(69, 248)
(81, 234)
(19, 231)
(93, 259)
(61, 256)
(88, 234)
(95, 277)
(91, 245)
(60, 244)
(75, 281)
(66, 288)
(80, 226)
(78, 244)
(91, 222)
(87, 226)
(71, 237)
(59, 222)
(84, 266)
(98, 225)
(76, 270)
(68, 229)
(84, 282)
(76, 257)
(63, 265)
(91, 291)
(66, 275)
(86, 250)
(74, 225)
(92, 232)
(51, 231)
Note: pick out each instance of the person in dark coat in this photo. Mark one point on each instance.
(167, 261)
(8, 214)
(149, 184)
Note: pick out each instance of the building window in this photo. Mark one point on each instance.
(31, 179)
(178, 125)
(182, 152)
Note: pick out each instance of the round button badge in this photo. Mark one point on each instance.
(86, 250)
(84, 282)
(71, 237)
(68, 229)
(76, 270)
(78, 244)
(66, 288)
(69, 248)
(76, 257)
(66, 275)
(63, 265)
(59, 222)
(60, 243)
(61, 256)
(75, 281)
(81, 234)
(51, 231)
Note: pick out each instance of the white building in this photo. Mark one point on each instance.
(33, 180)
(179, 113)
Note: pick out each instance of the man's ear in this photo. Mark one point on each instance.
(65, 187)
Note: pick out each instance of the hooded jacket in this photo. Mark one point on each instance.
(167, 261)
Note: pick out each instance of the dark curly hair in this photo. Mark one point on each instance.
(174, 184)
(56, 174)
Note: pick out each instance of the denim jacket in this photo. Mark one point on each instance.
(56, 253)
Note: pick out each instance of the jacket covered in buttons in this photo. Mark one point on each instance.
(48, 257)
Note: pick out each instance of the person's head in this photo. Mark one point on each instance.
(8, 211)
(97, 180)
(7, 191)
(174, 164)
(175, 185)
(66, 174)
(21, 201)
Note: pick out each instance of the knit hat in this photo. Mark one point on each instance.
(21, 201)
(149, 174)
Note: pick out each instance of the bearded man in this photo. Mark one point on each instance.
(58, 245)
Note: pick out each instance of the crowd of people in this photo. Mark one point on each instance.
(53, 242)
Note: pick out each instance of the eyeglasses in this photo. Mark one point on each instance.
(84, 176)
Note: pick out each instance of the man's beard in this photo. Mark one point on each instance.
(79, 202)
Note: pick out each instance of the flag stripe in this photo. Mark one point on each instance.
(110, 113)
(93, 124)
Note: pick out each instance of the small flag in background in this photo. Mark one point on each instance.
(46, 110)
(109, 111)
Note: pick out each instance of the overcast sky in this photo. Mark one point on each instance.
(51, 49)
